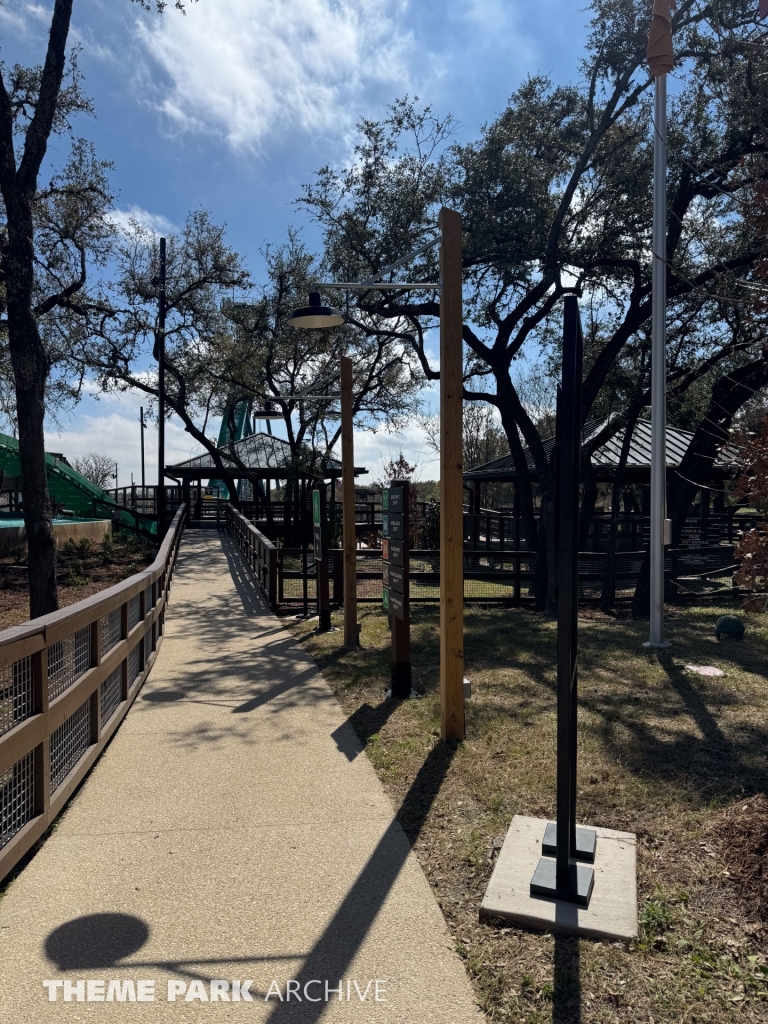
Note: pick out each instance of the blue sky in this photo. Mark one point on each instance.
(234, 107)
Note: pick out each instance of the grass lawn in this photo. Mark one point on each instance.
(664, 752)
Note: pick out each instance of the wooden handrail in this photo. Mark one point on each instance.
(259, 552)
(42, 728)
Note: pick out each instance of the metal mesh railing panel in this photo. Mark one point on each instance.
(68, 659)
(148, 606)
(17, 698)
(111, 694)
(17, 797)
(147, 645)
(134, 663)
(134, 611)
(69, 742)
(109, 627)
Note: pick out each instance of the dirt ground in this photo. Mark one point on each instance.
(677, 757)
(82, 569)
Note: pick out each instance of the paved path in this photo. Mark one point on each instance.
(232, 831)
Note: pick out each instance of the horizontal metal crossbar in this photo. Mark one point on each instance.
(383, 286)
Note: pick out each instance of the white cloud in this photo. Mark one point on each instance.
(154, 222)
(25, 21)
(373, 450)
(110, 426)
(246, 69)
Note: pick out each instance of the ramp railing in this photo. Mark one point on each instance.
(259, 552)
(66, 682)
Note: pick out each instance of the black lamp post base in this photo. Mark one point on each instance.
(401, 680)
(324, 622)
(586, 841)
(578, 890)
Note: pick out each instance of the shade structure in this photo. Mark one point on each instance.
(315, 315)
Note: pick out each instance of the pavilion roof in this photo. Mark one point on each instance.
(606, 457)
(264, 454)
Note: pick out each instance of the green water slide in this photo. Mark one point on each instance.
(69, 488)
(243, 428)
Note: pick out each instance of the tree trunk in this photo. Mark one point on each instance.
(524, 488)
(30, 370)
(588, 500)
(608, 596)
(18, 180)
(728, 396)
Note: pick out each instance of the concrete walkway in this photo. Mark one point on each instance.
(233, 831)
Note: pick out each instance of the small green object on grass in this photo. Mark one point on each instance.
(729, 625)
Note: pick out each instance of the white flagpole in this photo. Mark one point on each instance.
(659, 365)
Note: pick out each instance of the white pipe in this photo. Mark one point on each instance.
(658, 364)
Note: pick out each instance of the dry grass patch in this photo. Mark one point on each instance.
(664, 752)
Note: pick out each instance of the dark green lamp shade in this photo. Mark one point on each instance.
(315, 315)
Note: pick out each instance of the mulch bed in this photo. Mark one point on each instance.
(81, 570)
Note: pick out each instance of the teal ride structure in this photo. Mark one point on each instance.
(72, 491)
(237, 415)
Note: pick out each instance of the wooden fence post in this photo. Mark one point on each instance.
(351, 638)
(451, 481)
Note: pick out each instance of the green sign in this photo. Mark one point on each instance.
(316, 507)
(385, 599)
(385, 500)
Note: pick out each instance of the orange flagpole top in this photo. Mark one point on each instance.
(660, 56)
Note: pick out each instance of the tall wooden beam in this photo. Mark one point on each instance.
(451, 482)
(348, 506)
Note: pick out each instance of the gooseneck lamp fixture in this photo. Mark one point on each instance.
(315, 315)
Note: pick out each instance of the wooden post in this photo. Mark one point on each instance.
(397, 581)
(451, 482)
(320, 523)
(351, 638)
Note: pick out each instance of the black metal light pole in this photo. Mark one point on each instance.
(564, 877)
(142, 428)
(160, 355)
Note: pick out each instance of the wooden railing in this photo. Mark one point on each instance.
(259, 552)
(503, 576)
(66, 682)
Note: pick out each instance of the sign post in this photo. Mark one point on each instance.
(321, 559)
(396, 580)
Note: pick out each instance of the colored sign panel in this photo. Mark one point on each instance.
(396, 526)
(385, 549)
(396, 579)
(385, 524)
(392, 499)
(396, 552)
(316, 507)
(385, 575)
(385, 599)
(318, 542)
(397, 604)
